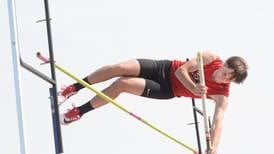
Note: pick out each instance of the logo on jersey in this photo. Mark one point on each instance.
(195, 76)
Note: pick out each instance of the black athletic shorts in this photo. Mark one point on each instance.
(157, 78)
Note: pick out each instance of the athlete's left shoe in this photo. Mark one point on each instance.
(71, 116)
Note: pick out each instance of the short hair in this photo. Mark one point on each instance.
(239, 65)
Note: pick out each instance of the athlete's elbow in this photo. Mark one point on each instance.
(180, 72)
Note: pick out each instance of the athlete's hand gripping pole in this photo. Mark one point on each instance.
(202, 82)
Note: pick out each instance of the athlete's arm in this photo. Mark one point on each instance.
(220, 108)
(182, 73)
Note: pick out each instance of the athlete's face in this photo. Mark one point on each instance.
(223, 75)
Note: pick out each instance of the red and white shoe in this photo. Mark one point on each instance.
(71, 116)
(65, 93)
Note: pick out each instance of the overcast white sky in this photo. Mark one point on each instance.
(90, 33)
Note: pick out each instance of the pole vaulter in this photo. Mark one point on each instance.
(112, 101)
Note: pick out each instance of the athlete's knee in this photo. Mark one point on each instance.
(121, 84)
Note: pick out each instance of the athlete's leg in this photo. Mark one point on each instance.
(127, 68)
(130, 85)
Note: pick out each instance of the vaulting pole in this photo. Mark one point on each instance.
(108, 99)
(202, 81)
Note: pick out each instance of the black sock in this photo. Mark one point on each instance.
(79, 86)
(85, 108)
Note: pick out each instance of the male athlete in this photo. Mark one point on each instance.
(165, 79)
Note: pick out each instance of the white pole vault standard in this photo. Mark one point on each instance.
(112, 101)
(17, 75)
(202, 82)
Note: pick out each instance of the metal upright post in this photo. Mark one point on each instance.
(196, 125)
(54, 124)
(17, 75)
(55, 109)
(53, 92)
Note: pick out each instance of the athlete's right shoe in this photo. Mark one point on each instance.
(65, 93)
(71, 116)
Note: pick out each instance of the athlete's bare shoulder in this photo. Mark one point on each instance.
(209, 56)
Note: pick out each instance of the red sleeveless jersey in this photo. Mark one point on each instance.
(213, 87)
